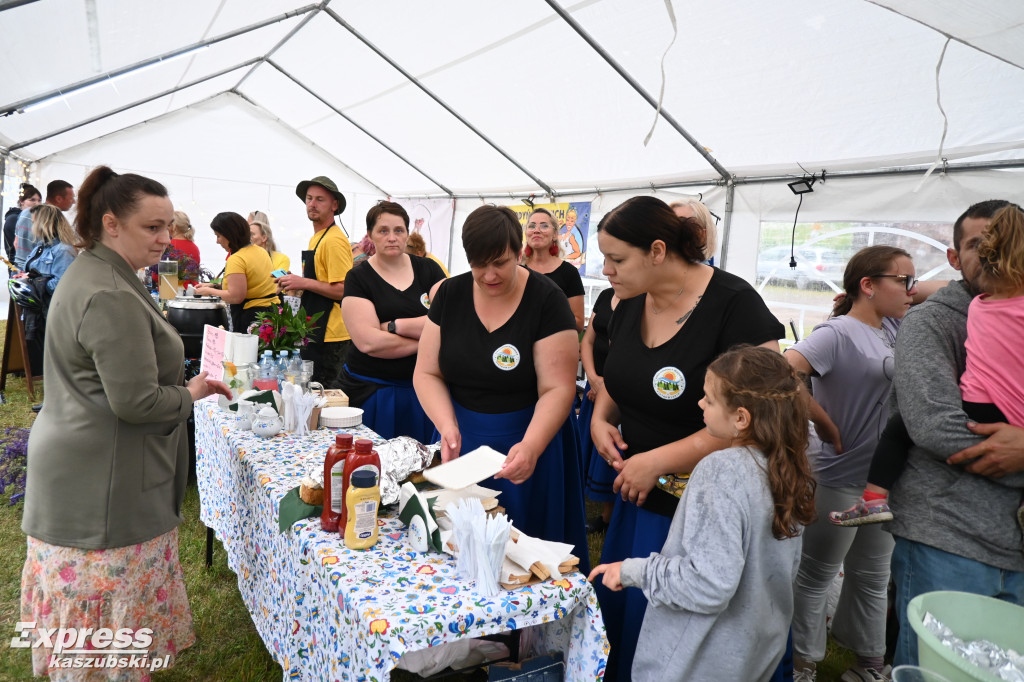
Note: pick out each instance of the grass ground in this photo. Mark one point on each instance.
(228, 646)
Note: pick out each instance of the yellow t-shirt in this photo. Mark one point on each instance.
(333, 260)
(438, 261)
(253, 262)
(280, 261)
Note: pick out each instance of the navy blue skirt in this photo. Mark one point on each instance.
(548, 505)
(394, 410)
(632, 532)
(598, 475)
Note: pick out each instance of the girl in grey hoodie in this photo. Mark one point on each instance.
(720, 593)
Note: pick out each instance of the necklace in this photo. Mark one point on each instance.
(884, 337)
(672, 302)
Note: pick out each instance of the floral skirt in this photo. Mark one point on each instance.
(134, 587)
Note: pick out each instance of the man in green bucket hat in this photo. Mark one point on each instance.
(322, 284)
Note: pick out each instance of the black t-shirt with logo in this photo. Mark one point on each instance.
(363, 281)
(493, 372)
(568, 279)
(657, 389)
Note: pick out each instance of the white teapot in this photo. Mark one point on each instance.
(267, 423)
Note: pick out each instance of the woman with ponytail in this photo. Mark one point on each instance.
(721, 588)
(849, 359)
(675, 316)
(108, 453)
(543, 254)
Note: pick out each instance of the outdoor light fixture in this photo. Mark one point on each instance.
(802, 186)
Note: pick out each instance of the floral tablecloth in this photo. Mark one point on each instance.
(327, 612)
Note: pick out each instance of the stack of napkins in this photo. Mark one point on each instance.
(527, 556)
(480, 540)
(417, 513)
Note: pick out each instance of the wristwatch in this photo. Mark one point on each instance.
(391, 327)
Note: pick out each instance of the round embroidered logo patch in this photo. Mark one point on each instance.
(669, 383)
(425, 300)
(506, 357)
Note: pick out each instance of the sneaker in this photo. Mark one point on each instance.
(858, 674)
(804, 675)
(862, 513)
(596, 525)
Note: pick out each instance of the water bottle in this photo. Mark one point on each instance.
(294, 368)
(268, 373)
(282, 366)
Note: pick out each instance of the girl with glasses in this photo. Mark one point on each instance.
(849, 359)
(992, 384)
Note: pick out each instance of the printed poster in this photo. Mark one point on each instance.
(573, 227)
(432, 218)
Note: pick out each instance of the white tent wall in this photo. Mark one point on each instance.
(222, 155)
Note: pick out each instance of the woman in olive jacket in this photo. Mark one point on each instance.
(108, 455)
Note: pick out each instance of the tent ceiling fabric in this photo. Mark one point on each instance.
(766, 87)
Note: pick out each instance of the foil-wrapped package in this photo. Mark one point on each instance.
(1006, 664)
(314, 478)
(400, 457)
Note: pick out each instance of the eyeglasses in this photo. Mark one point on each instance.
(909, 280)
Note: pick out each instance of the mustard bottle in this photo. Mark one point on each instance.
(362, 500)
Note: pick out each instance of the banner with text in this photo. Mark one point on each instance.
(573, 227)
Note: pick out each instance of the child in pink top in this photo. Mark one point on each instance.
(992, 384)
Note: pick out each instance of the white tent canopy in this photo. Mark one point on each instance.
(231, 103)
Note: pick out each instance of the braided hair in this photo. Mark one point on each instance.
(762, 382)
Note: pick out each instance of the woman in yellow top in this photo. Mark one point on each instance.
(248, 287)
(259, 226)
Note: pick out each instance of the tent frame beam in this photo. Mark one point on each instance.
(747, 180)
(131, 125)
(9, 109)
(270, 53)
(302, 137)
(132, 105)
(415, 81)
(625, 75)
(366, 132)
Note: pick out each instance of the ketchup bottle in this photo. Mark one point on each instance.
(365, 458)
(334, 467)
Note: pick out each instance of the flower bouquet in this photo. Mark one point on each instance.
(281, 329)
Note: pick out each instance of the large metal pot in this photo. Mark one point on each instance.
(189, 314)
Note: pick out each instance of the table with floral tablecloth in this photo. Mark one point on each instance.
(327, 612)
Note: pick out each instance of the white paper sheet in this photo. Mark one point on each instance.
(468, 469)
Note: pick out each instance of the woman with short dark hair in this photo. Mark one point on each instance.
(497, 367)
(248, 287)
(385, 307)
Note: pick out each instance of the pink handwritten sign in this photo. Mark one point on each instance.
(215, 342)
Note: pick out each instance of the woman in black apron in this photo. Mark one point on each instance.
(248, 287)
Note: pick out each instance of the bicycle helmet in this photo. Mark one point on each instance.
(24, 293)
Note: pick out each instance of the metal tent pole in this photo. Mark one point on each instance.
(345, 116)
(730, 195)
(131, 125)
(270, 53)
(9, 109)
(415, 81)
(165, 93)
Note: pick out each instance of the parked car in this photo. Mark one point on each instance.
(816, 266)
